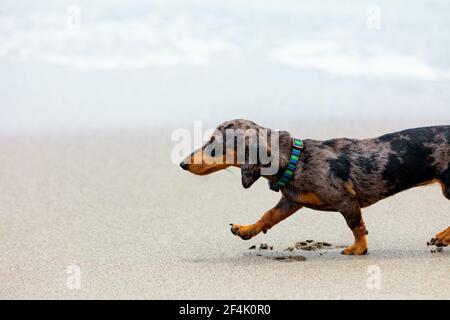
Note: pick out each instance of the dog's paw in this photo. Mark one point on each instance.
(355, 250)
(244, 232)
(442, 239)
(437, 242)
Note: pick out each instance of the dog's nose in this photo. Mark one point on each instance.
(184, 165)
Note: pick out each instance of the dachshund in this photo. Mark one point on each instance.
(340, 175)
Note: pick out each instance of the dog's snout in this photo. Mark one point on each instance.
(184, 165)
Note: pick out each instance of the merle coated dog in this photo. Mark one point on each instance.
(342, 175)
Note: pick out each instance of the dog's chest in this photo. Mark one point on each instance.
(309, 199)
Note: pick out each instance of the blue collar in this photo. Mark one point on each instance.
(297, 147)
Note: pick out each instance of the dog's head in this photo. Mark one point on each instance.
(240, 143)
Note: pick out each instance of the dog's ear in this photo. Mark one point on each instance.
(250, 174)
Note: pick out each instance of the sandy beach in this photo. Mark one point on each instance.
(93, 207)
(113, 204)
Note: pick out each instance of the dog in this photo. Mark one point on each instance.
(341, 175)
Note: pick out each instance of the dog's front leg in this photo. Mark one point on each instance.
(282, 210)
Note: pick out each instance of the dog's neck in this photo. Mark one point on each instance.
(285, 149)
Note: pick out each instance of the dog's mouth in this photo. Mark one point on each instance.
(202, 171)
(205, 171)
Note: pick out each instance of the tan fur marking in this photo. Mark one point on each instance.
(360, 245)
(202, 164)
(310, 198)
(427, 183)
(267, 221)
(444, 237)
(348, 186)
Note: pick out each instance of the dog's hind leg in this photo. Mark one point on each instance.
(442, 239)
(353, 217)
(282, 210)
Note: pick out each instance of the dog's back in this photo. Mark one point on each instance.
(383, 166)
(416, 156)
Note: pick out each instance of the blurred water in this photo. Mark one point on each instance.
(112, 64)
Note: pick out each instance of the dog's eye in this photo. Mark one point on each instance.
(213, 153)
